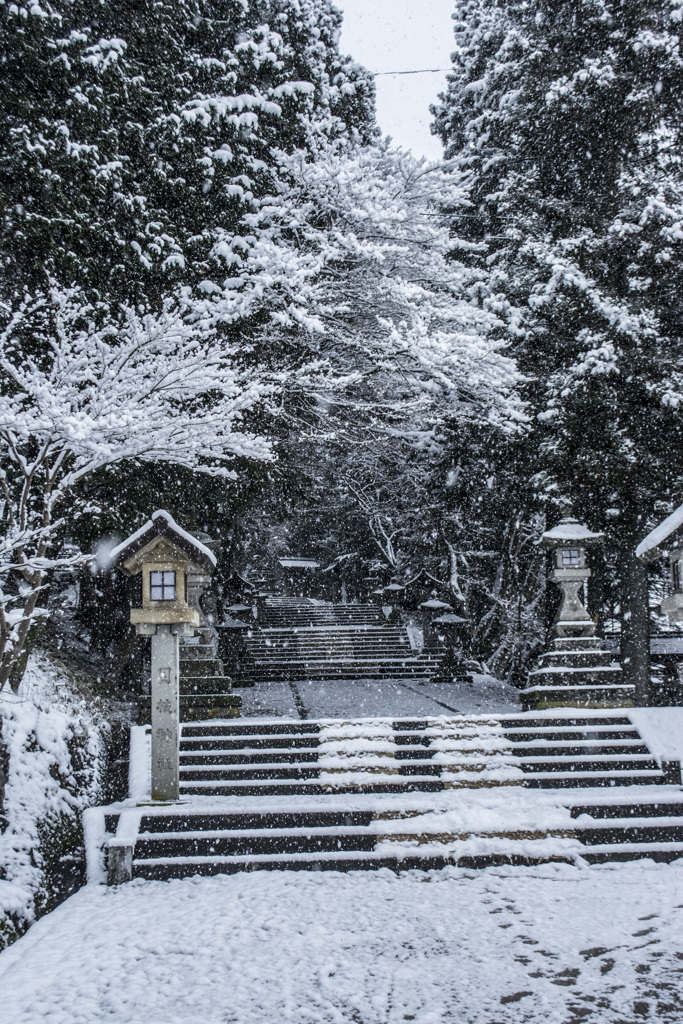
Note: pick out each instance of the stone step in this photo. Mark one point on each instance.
(576, 721)
(577, 659)
(353, 672)
(579, 749)
(350, 675)
(556, 735)
(167, 868)
(314, 614)
(220, 772)
(205, 686)
(598, 696)
(302, 651)
(374, 629)
(241, 842)
(203, 653)
(358, 652)
(658, 809)
(268, 755)
(297, 649)
(608, 675)
(621, 830)
(286, 819)
(197, 708)
(286, 787)
(590, 779)
(260, 742)
(382, 665)
(313, 617)
(208, 667)
(661, 853)
(592, 762)
(284, 727)
(592, 643)
(303, 655)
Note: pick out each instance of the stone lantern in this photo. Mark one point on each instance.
(568, 542)
(164, 555)
(577, 670)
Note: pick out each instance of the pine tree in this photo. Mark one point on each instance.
(567, 118)
(138, 136)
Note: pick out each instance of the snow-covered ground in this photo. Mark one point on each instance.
(368, 698)
(554, 944)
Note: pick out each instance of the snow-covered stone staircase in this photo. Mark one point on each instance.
(405, 793)
(302, 640)
(577, 672)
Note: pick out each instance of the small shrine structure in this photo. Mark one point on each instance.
(666, 647)
(666, 540)
(577, 670)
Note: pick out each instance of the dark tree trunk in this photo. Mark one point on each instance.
(635, 618)
(4, 773)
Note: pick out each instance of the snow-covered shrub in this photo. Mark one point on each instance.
(55, 764)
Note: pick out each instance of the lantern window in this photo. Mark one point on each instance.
(162, 586)
(571, 556)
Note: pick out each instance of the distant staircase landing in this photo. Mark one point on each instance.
(300, 639)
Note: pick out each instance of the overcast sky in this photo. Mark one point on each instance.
(402, 35)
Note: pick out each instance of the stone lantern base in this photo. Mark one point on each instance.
(577, 672)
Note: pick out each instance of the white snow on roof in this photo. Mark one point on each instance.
(298, 563)
(120, 548)
(660, 533)
(570, 530)
(197, 544)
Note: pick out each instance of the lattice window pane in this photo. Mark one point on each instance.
(162, 586)
(571, 556)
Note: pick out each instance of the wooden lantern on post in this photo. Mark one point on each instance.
(163, 554)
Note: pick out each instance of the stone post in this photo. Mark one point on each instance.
(165, 715)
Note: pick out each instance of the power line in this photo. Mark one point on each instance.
(423, 71)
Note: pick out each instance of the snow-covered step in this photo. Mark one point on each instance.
(582, 779)
(660, 852)
(166, 868)
(372, 792)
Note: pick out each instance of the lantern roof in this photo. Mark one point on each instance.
(651, 547)
(162, 524)
(298, 563)
(570, 531)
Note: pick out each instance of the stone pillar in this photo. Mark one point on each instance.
(572, 618)
(165, 715)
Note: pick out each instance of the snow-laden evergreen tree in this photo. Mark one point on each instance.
(131, 131)
(567, 118)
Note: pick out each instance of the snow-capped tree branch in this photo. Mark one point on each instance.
(81, 393)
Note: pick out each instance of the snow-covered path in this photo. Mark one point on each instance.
(553, 944)
(368, 698)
